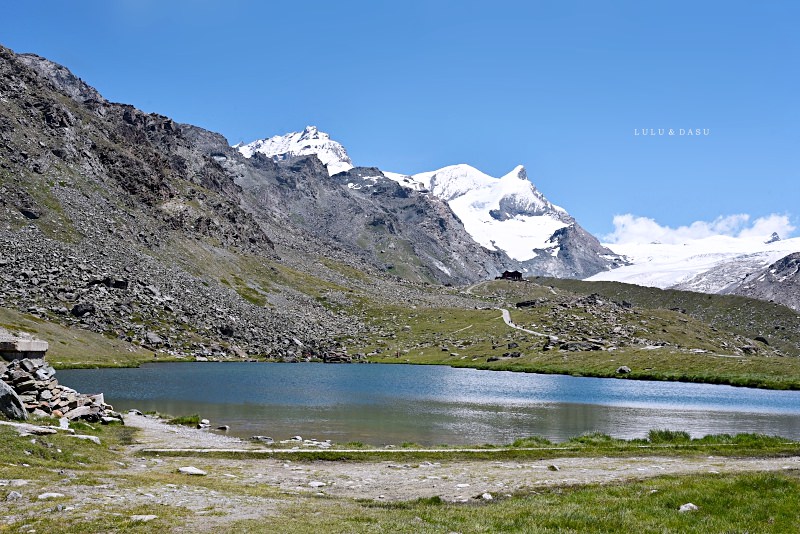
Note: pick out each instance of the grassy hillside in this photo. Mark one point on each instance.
(582, 332)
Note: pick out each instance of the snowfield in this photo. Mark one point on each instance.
(707, 265)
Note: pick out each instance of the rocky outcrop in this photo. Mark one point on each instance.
(575, 253)
(61, 78)
(28, 384)
(38, 391)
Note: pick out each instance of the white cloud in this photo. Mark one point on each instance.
(630, 228)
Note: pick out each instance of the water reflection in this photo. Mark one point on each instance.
(381, 404)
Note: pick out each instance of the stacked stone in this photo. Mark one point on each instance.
(34, 382)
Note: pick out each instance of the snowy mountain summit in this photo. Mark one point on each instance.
(506, 213)
(309, 141)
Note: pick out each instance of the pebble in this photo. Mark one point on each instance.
(143, 518)
(316, 484)
(191, 470)
(51, 495)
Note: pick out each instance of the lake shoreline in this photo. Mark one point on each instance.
(740, 382)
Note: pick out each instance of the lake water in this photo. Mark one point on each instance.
(429, 405)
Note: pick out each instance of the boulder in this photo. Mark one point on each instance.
(153, 339)
(82, 308)
(623, 370)
(10, 404)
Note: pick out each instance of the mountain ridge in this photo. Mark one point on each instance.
(506, 215)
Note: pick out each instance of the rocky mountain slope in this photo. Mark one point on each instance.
(505, 216)
(778, 282)
(114, 220)
(359, 211)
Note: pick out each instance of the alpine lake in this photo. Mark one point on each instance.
(382, 404)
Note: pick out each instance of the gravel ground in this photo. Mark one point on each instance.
(452, 480)
(234, 490)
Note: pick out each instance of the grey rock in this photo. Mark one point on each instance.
(11, 405)
(82, 308)
(623, 370)
(191, 470)
(13, 496)
(153, 338)
(93, 439)
(778, 282)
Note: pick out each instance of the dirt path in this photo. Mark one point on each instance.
(509, 322)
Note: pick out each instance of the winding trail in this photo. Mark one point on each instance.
(509, 322)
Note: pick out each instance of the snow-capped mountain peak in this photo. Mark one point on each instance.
(310, 141)
(506, 213)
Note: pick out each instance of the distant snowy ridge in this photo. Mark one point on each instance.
(309, 141)
(506, 213)
(707, 265)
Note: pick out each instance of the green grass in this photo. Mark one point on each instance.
(659, 442)
(759, 502)
(75, 347)
(755, 502)
(694, 350)
(668, 436)
(742, 315)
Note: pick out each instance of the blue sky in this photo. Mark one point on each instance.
(559, 87)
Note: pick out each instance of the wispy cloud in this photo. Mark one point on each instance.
(630, 228)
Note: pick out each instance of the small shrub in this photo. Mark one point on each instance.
(185, 420)
(593, 438)
(668, 436)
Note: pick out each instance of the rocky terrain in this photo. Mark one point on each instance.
(778, 282)
(117, 221)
